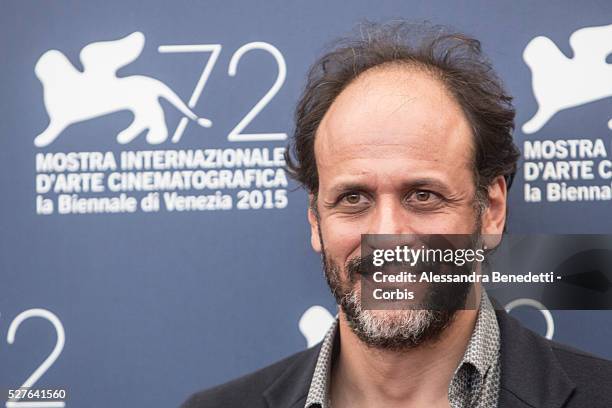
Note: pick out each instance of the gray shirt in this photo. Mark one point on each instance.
(475, 383)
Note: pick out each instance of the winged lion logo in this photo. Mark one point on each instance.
(72, 96)
(559, 82)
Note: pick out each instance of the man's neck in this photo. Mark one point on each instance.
(367, 377)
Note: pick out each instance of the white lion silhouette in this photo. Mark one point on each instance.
(314, 323)
(72, 96)
(559, 82)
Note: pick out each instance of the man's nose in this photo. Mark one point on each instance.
(390, 226)
(390, 218)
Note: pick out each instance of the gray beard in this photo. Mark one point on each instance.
(395, 330)
(387, 329)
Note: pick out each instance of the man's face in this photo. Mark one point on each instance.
(394, 156)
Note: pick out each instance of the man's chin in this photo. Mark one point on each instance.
(395, 329)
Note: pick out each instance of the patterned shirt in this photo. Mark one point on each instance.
(475, 383)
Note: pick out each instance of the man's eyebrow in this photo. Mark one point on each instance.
(350, 186)
(425, 182)
(419, 182)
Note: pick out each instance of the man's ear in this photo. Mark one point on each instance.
(494, 216)
(315, 240)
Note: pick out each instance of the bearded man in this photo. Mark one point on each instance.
(407, 131)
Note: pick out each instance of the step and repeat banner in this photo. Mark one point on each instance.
(151, 243)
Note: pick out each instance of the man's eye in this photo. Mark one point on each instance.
(352, 198)
(422, 195)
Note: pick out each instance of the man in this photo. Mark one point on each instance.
(408, 131)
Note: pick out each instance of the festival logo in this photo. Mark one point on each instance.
(560, 82)
(568, 169)
(245, 177)
(72, 96)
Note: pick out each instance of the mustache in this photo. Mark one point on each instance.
(364, 266)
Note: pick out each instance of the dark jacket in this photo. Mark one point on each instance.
(535, 373)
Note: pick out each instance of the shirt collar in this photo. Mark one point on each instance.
(483, 348)
(318, 394)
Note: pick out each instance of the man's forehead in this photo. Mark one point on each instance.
(394, 111)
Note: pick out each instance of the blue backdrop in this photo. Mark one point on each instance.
(144, 307)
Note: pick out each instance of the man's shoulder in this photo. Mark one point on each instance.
(584, 369)
(535, 369)
(591, 376)
(251, 387)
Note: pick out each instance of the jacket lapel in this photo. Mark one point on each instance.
(291, 388)
(531, 375)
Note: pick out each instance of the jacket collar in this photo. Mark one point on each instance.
(531, 375)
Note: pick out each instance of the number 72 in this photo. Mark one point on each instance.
(235, 135)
